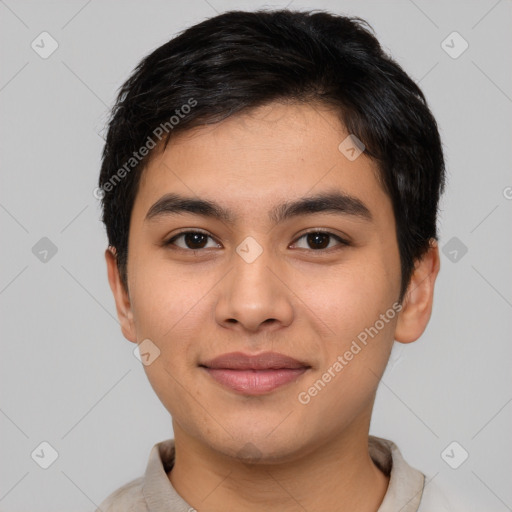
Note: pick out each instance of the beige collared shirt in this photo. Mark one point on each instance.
(408, 489)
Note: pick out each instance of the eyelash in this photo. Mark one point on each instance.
(342, 241)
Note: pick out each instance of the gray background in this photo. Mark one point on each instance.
(68, 377)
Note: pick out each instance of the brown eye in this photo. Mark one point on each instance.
(318, 240)
(192, 240)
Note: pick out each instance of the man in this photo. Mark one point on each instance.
(270, 185)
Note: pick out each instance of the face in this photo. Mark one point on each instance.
(309, 283)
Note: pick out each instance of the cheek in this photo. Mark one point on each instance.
(352, 294)
(166, 311)
(358, 304)
(359, 310)
(164, 297)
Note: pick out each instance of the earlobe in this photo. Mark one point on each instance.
(417, 305)
(121, 297)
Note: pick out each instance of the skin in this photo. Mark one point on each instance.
(304, 302)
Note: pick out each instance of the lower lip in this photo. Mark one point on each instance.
(255, 382)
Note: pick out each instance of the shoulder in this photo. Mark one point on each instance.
(437, 497)
(128, 498)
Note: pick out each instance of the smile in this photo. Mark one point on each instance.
(254, 374)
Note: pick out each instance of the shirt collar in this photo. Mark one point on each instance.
(406, 484)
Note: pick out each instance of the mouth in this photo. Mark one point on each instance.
(254, 374)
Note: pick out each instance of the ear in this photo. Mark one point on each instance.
(123, 305)
(417, 304)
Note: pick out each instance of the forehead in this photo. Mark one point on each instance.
(260, 159)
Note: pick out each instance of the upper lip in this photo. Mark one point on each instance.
(263, 361)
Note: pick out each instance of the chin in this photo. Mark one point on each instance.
(256, 446)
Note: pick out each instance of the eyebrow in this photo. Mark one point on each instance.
(328, 202)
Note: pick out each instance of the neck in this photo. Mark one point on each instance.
(335, 476)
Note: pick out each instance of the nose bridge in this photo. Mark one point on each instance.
(252, 294)
(251, 277)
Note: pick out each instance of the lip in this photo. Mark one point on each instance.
(254, 374)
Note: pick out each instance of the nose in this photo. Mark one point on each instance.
(254, 296)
